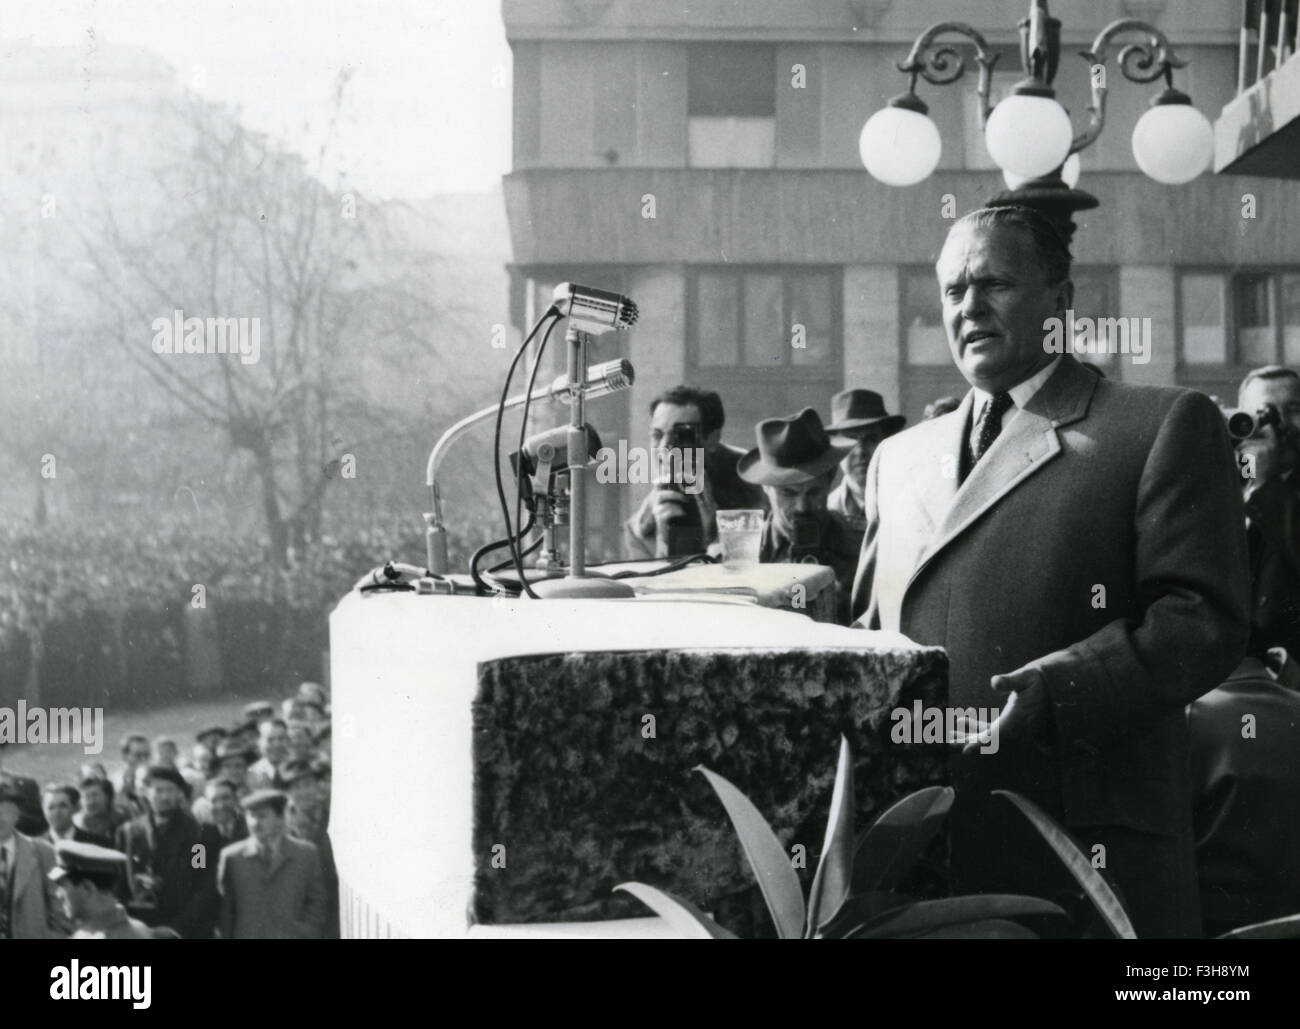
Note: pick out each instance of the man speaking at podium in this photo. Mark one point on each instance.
(1076, 546)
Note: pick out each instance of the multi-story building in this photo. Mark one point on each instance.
(703, 158)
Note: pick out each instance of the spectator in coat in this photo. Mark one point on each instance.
(29, 907)
(272, 885)
(98, 816)
(224, 814)
(60, 802)
(274, 744)
(171, 859)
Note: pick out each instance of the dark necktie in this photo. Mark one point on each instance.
(991, 424)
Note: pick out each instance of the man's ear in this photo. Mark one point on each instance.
(1064, 296)
(712, 439)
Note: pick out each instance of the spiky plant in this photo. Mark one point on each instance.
(854, 893)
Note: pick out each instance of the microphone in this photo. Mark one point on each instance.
(602, 380)
(591, 310)
(546, 454)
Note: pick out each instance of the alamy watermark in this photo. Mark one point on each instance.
(81, 725)
(659, 465)
(953, 726)
(235, 336)
(1131, 336)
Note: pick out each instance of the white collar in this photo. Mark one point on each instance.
(1021, 393)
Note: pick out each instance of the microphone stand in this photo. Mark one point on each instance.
(577, 583)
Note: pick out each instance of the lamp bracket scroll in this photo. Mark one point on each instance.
(942, 64)
(1140, 61)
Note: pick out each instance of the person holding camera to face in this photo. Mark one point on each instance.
(1269, 456)
(1244, 735)
(678, 516)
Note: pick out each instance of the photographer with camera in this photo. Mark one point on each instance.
(1245, 734)
(1269, 454)
(678, 516)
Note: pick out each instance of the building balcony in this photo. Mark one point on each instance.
(595, 216)
(1258, 132)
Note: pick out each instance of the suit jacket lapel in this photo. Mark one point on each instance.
(1027, 444)
(281, 859)
(937, 483)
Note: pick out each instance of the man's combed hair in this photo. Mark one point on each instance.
(1269, 371)
(707, 401)
(1053, 250)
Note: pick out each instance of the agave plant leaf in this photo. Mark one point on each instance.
(1097, 889)
(831, 884)
(896, 839)
(1287, 928)
(989, 929)
(927, 916)
(681, 914)
(860, 909)
(771, 864)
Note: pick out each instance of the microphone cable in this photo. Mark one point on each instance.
(486, 549)
(554, 315)
(519, 465)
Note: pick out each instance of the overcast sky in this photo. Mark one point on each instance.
(429, 100)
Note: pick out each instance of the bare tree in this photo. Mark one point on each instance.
(243, 228)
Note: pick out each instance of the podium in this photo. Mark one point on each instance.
(493, 771)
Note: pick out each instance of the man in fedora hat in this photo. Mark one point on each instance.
(858, 419)
(795, 463)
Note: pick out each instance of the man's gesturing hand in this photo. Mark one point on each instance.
(1026, 716)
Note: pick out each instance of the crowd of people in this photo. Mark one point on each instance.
(92, 611)
(228, 838)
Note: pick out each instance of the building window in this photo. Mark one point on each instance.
(1246, 318)
(731, 106)
(1096, 296)
(924, 340)
(764, 318)
(1204, 319)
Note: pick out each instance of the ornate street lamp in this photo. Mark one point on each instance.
(1029, 134)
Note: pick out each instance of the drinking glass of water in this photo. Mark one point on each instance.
(740, 533)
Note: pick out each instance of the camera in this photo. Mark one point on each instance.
(679, 471)
(1242, 424)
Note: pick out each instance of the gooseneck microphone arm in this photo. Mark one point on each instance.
(601, 380)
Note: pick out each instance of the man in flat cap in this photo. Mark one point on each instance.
(859, 420)
(258, 711)
(86, 876)
(272, 885)
(308, 819)
(794, 462)
(171, 858)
